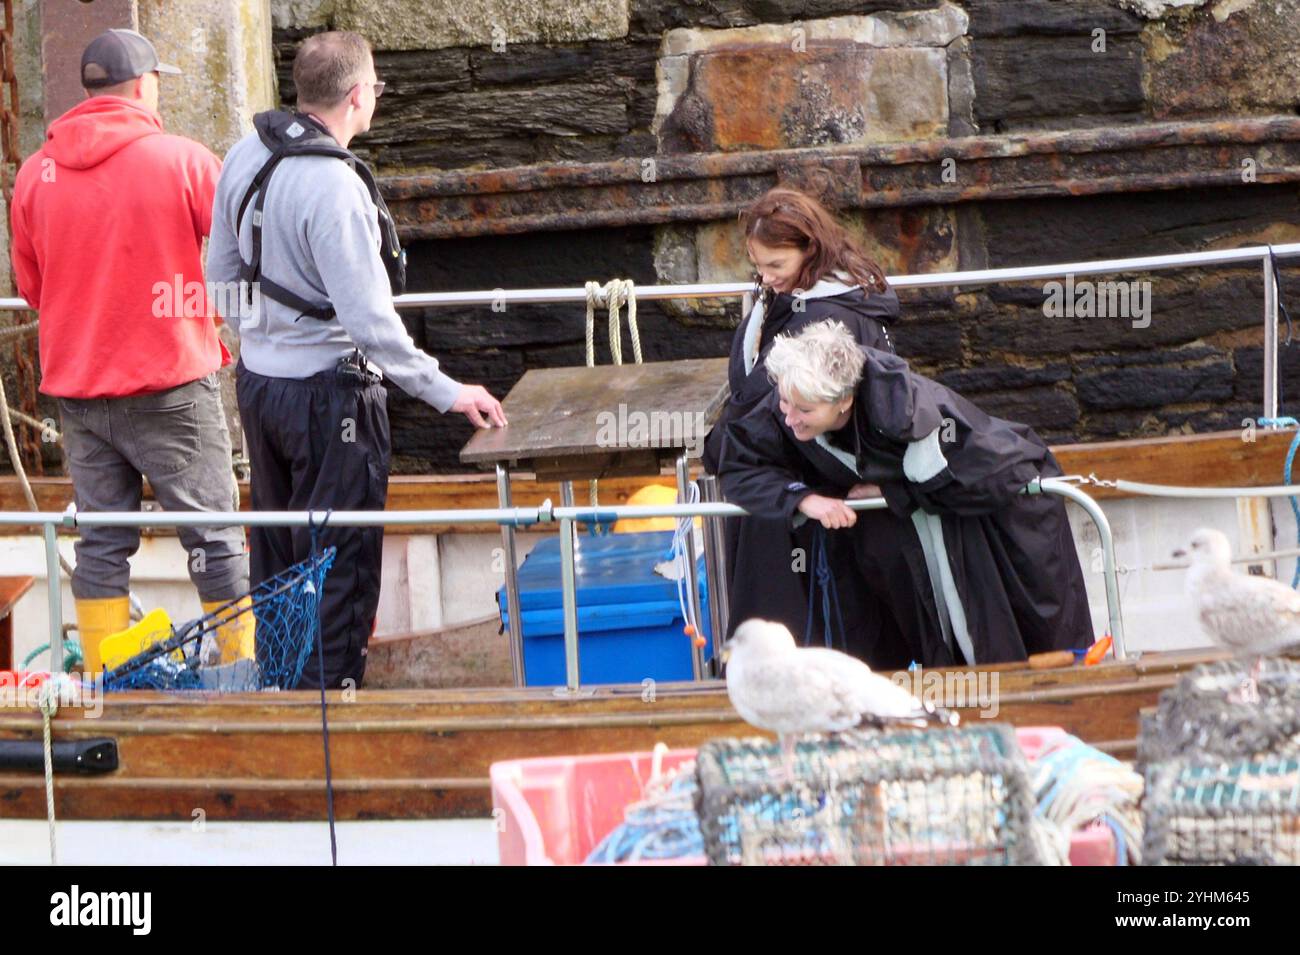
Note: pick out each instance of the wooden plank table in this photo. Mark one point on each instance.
(572, 424)
(586, 423)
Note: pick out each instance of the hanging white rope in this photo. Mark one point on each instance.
(48, 700)
(615, 294)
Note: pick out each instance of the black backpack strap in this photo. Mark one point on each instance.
(250, 273)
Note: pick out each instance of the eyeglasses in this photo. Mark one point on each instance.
(378, 85)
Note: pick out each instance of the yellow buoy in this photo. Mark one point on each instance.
(650, 494)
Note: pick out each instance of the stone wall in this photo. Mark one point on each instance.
(491, 85)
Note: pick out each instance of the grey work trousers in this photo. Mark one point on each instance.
(176, 438)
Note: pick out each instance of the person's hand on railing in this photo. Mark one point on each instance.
(475, 401)
(829, 511)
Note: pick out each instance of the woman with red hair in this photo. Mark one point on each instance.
(808, 269)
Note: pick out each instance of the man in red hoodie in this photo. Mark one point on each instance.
(109, 218)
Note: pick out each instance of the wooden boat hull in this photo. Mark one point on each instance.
(411, 754)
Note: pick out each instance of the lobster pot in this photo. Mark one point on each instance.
(1198, 717)
(1210, 812)
(879, 797)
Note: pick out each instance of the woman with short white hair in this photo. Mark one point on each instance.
(971, 570)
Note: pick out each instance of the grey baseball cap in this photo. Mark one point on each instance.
(117, 56)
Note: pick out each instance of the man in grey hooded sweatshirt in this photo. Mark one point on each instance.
(320, 331)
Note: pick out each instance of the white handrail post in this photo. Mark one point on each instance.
(1270, 341)
(54, 587)
(512, 579)
(568, 586)
(1110, 567)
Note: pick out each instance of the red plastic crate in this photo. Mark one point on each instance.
(556, 810)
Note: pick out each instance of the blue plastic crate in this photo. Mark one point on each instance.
(629, 621)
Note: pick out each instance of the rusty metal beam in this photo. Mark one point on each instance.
(709, 186)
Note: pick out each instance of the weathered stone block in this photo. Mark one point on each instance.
(1181, 311)
(1155, 385)
(531, 63)
(653, 17)
(879, 78)
(1046, 409)
(961, 90)
(518, 326)
(1024, 78)
(297, 14)
(774, 98)
(1144, 223)
(1249, 362)
(225, 51)
(410, 73)
(999, 376)
(1048, 18)
(938, 26)
(929, 344)
(426, 25)
(1240, 58)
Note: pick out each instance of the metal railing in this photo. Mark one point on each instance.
(567, 519)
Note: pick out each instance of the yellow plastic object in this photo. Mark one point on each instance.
(650, 494)
(235, 633)
(120, 647)
(97, 618)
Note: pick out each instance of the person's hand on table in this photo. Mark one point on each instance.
(475, 402)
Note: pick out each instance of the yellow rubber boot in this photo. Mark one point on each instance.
(96, 619)
(235, 630)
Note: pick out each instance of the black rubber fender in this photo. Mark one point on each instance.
(84, 756)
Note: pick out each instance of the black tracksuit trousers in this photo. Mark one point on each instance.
(321, 443)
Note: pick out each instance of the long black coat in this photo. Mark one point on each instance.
(1012, 556)
(767, 561)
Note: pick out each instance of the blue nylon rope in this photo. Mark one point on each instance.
(821, 578)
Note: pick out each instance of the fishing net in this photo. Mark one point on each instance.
(285, 610)
(1223, 774)
(878, 797)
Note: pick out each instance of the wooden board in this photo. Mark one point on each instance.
(575, 412)
(11, 591)
(426, 753)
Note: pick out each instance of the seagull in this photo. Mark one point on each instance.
(1244, 614)
(778, 686)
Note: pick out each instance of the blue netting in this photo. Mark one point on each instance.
(286, 609)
